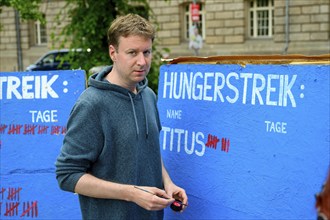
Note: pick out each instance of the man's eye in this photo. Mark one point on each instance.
(147, 53)
(133, 53)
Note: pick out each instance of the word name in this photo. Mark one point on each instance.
(273, 89)
(175, 114)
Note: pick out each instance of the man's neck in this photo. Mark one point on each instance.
(113, 78)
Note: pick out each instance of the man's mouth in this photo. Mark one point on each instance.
(140, 71)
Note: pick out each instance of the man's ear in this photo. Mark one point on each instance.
(112, 53)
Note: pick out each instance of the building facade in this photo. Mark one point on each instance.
(227, 27)
(23, 42)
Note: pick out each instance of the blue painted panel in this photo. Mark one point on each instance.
(34, 110)
(246, 142)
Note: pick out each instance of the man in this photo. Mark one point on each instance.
(111, 154)
(196, 40)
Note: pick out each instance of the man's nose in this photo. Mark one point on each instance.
(141, 59)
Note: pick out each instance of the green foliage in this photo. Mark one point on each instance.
(88, 27)
(28, 9)
(87, 30)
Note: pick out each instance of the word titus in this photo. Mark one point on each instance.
(178, 139)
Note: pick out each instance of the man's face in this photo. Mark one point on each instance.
(132, 59)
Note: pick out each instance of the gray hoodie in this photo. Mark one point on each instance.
(113, 134)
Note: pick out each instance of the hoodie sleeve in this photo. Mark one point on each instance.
(81, 145)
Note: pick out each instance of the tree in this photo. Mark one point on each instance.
(89, 21)
(29, 10)
(87, 30)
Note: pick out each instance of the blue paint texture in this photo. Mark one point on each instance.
(246, 142)
(34, 110)
(274, 120)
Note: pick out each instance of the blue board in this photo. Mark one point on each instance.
(34, 110)
(245, 142)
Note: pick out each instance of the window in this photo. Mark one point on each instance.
(188, 23)
(261, 18)
(40, 33)
(50, 59)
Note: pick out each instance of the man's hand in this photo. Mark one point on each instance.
(150, 198)
(177, 193)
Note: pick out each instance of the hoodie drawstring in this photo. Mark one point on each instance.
(135, 118)
(134, 113)
(145, 115)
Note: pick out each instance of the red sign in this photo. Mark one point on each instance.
(194, 10)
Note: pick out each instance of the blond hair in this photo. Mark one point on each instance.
(129, 25)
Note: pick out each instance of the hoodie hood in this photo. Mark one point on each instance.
(98, 81)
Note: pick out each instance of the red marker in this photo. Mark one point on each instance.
(177, 205)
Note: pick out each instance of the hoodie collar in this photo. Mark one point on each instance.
(97, 81)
